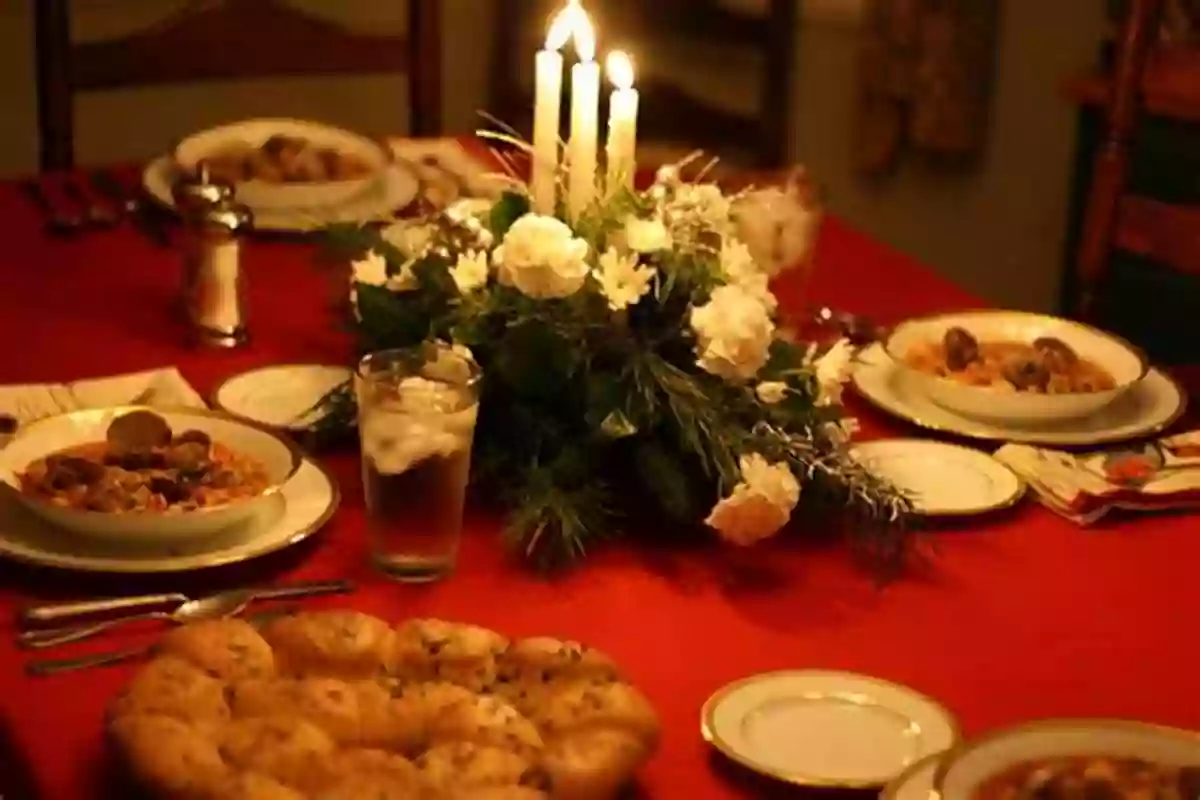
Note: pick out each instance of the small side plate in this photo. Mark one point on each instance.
(825, 728)
(280, 397)
(943, 480)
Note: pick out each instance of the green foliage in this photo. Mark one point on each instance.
(588, 416)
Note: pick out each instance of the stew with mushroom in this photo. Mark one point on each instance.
(1092, 778)
(1047, 365)
(144, 466)
(285, 159)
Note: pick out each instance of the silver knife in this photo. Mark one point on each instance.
(51, 612)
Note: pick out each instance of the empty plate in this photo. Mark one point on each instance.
(283, 396)
(942, 479)
(826, 728)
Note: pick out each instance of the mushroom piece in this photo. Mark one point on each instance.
(961, 347)
(85, 470)
(138, 430)
(172, 491)
(1026, 373)
(193, 435)
(1056, 354)
(188, 456)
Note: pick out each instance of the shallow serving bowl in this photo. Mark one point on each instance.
(266, 195)
(139, 528)
(1119, 358)
(966, 769)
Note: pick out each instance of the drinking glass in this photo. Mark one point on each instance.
(416, 418)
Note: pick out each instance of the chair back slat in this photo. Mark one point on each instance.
(227, 40)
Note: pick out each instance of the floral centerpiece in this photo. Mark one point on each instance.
(633, 365)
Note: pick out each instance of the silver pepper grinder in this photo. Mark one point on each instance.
(213, 291)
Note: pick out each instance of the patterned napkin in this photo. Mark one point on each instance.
(160, 387)
(1162, 474)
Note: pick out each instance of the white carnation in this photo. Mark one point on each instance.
(779, 229)
(739, 266)
(542, 258)
(733, 332)
(470, 272)
(371, 269)
(701, 203)
(646, 235)
(760, 504)
(412, 239)
(833, 370)
(621, 280)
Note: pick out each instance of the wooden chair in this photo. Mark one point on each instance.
(225, 40)
(1165, 83)
(668, 114)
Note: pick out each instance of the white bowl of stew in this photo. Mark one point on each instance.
(1014, 367)
(1074, 759)
(287, 163)
(197, 473)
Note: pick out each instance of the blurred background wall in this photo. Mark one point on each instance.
(996, 229)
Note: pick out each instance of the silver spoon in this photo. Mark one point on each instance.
(218, 606)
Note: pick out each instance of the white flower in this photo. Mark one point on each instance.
(778, 227)
(733, 331)
(646, 235)
(370, 269)
(621, 280)
(470, 272)
(760, 504)
(542, 258)
(739, 267)
(833, 369)
(701, 204)
(843, 430)
(771, 392)
(412, 239)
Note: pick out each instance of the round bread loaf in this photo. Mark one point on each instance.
(332, 705)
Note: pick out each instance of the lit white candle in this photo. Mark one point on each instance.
(546, 109)
(622, 123)
(585, 123)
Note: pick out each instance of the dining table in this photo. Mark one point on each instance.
(1009, 617)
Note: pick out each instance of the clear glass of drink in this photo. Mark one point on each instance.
(416, 416)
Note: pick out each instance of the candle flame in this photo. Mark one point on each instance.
(620, 70)
(585, 34)
(561, 26)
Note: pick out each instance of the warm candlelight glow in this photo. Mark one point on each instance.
(561, 27)
(620, 70)
(585, 34)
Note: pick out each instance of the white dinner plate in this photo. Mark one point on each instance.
(915, 782)
(396, 191)
(1151, 406)
(282, 396)
(305, 503)
(942, 480)
(825, 728)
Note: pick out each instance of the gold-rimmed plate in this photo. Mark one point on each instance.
(942, 480)
(825, 728)
(1148, 408)
(280, 396)
(288, 517)
(916, 781)
(961, 773)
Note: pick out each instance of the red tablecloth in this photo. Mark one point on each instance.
(1023, 615)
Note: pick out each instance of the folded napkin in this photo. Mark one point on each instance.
(160, 387)
(1162, 474)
